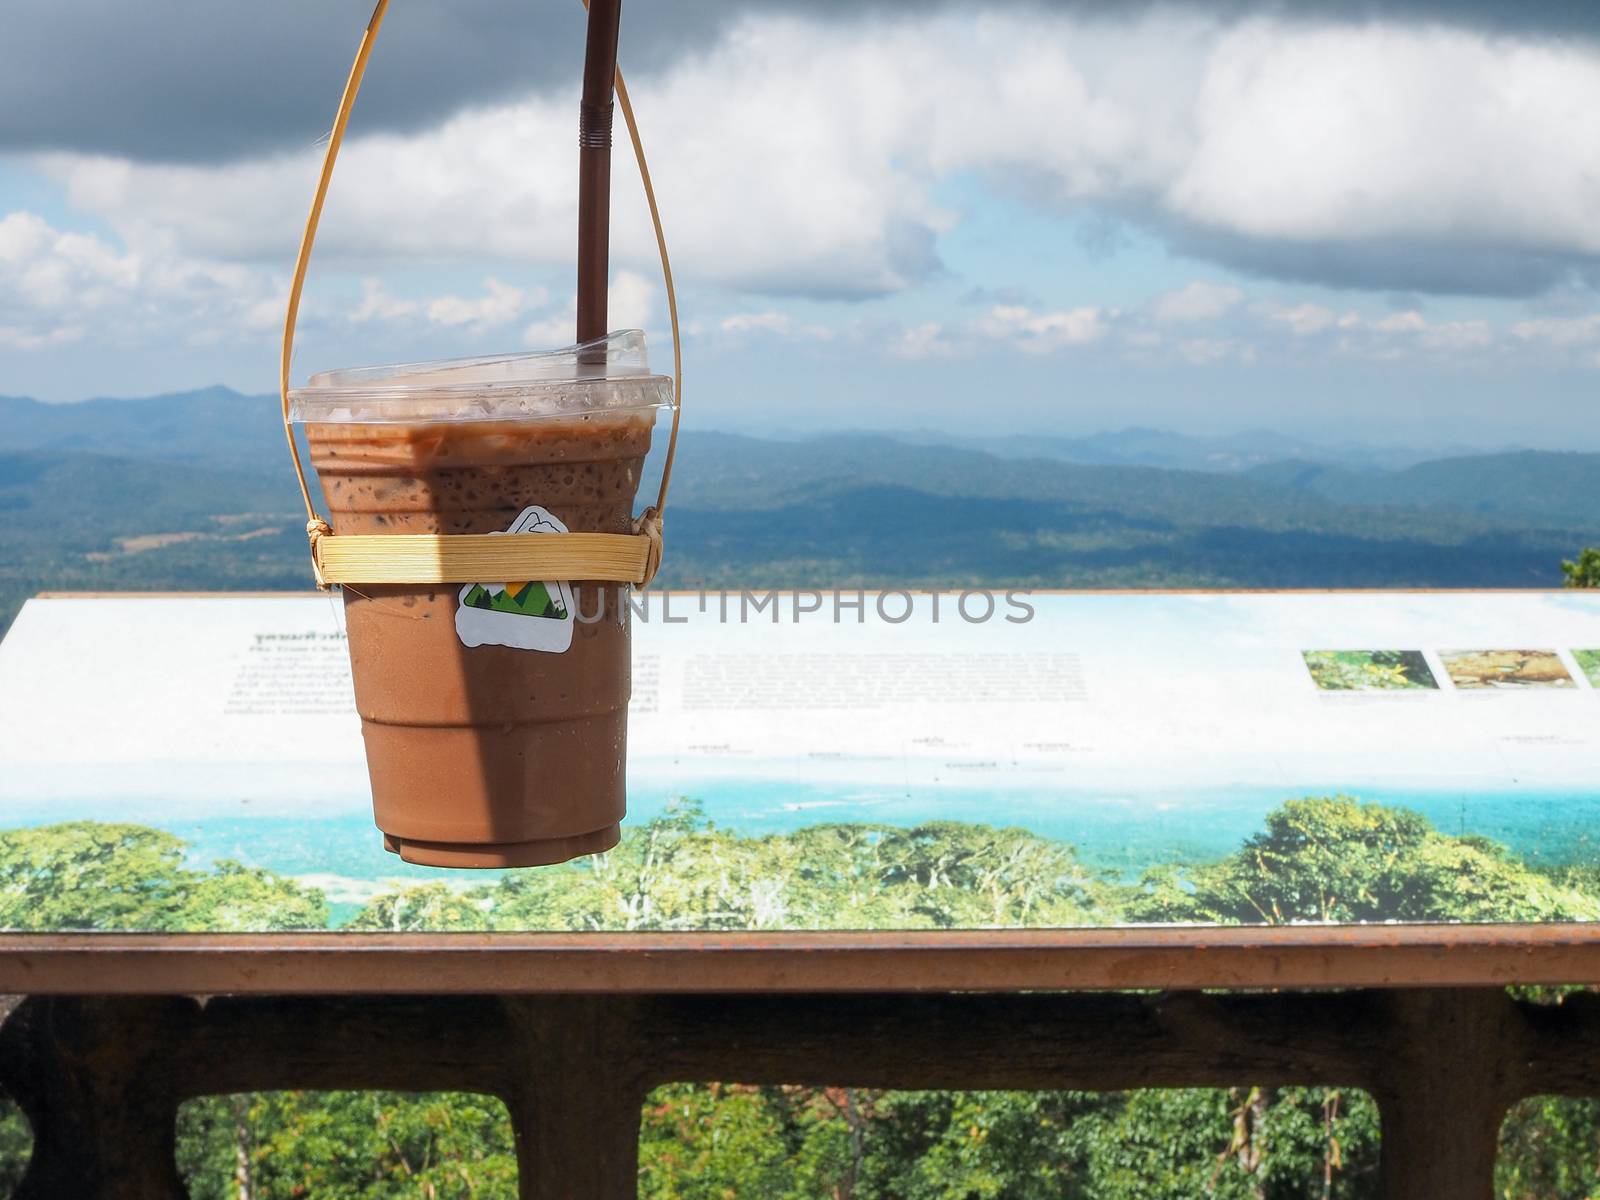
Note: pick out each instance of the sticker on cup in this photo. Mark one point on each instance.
(529, 615)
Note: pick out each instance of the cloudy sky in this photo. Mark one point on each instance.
(1365, 221)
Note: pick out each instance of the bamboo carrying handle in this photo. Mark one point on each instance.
(476, 557)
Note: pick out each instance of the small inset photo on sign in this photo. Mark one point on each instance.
(1510, 669)
(1370, 670)
(1589, 664)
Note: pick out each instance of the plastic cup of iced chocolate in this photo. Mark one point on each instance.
(494, 713)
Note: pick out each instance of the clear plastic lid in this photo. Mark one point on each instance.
(610, 374)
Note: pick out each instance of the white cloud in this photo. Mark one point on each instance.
(927, 340)
(775, 324)
(1460, 336)
(548, 333)
(632, 305)
(1009, 327)
(632, 301)
(19, 337)
(1401, 322)
(1294, 147)
(1317, 332)
(1043, 332)
(763, 193)
(1560, 332)
(1303, 320)
(1414, 150)
(1205, 352)
(59, 287)
(1198, 301)
(48, 277)
(1255, 334)
(758, 322)
(1408, 334)
(379, 304)
(1384, 131)
(499, 305)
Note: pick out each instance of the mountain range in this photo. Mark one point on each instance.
(193, 491)
(218, 425)
(1140, 447)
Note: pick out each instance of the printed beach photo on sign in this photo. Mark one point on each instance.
(1370, 670)
(1589, 664)
(524, 615)
(1479, 669)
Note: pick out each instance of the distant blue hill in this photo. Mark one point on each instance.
(215, 426)
(1535, 485)
(193, 490)
(1141, 447)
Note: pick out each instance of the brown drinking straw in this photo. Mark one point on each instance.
(466, 558)
(594, 168)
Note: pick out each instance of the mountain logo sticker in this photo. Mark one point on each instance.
(525, 615)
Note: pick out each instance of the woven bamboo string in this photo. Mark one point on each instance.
(416, 558)
(471, 558)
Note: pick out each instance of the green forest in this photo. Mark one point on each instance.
(1314, 859)
(217, 510)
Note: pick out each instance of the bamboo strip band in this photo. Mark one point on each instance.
(477, 557)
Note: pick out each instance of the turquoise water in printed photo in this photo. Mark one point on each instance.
(1123, 835)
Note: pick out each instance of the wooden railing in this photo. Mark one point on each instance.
(571, 1031)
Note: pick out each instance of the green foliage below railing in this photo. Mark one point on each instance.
(1315, 859)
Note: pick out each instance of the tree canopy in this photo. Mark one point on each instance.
(1333, 858)
(1583, 571)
